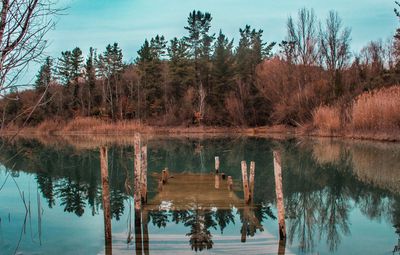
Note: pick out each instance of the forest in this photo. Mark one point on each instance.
(204, 79)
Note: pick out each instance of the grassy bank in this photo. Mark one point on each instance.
(371, 115)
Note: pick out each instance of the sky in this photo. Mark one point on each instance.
(97, 23)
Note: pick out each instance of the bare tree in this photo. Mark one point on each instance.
(304, 36)
(23, 26)
(372, 57)
(335, 48)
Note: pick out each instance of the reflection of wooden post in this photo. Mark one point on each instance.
(281, 247)
(217, 181)
(216, 164)
(165, 176)
(243, 230)
(230, 183)
(160, 185)
(245, 182)
(145, 232)
(279, 195)
(138, 166)
(106, 199)
(138, 232)
(144, 174)
(251, 180)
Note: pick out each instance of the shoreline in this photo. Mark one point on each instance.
(278, 132)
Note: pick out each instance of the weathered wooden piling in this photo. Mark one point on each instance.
(245, 182)
(106, 198)
(144, 174)
(251, 179)
(137, 171)
(217, 164)
(230, 183)
(279, 195)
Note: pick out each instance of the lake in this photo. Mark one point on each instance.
(340, 196)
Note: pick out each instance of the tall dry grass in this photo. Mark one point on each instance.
(377, 110)
(327, 118)
(94, 125)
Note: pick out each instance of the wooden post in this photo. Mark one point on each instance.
(245, 182)
(230, 183)
(144, 174)
(279, 195)
(165, 176)
(217, 181)
(217, 164)
(251, 180)
(137, 174)
(106, 199)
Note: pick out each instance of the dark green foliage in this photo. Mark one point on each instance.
(153, 84)
(44, 77)
(251, 52)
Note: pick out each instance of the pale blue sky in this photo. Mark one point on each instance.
(128, 22)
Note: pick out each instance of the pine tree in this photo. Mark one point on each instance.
(222, 76)
(44, 77)
(64, 68)
(90, 72)
(150, 65)
(180, 70)
(110, 67)
(200, 41)
(251, 52)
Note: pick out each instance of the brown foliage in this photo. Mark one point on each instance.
(377, 110)
(293, 90)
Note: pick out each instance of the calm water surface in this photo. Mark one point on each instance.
(340, 197)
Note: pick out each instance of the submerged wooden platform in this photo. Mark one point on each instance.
(192, 190)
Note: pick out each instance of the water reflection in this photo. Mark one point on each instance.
(331, 189)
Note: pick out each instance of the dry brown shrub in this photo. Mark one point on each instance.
(377, 110)
(327, 118)
(49, 126)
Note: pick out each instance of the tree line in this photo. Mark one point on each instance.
(207, 79)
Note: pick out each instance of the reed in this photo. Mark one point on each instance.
(377, 110)
(327, 118)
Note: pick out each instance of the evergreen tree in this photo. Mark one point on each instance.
(64, 68)
(110, 68)
(150, 65)
(180, 70)
(222, 76)
(251, 52)
(200, 41)
(90, 73)
(44, 77)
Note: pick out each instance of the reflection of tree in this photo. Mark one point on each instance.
(117, 203)
(180, 216)
(224, 218)
(200, 236)
(72, 196)
(159, 218)
(45, 184)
